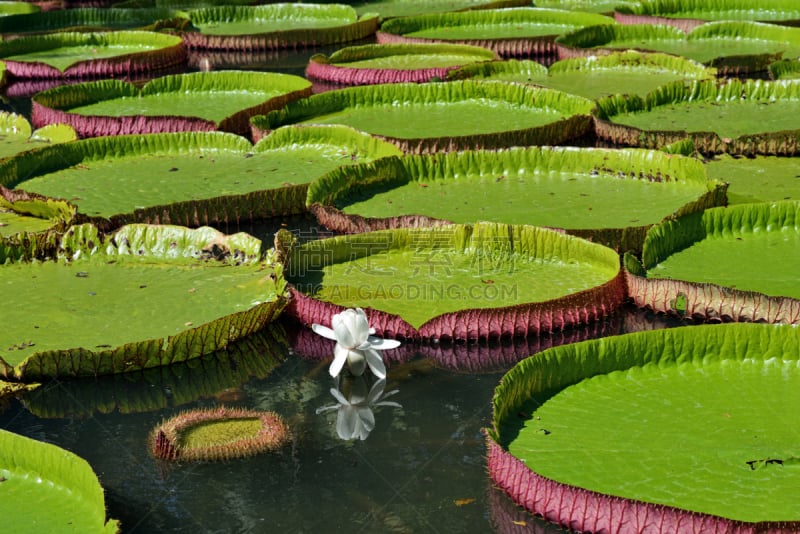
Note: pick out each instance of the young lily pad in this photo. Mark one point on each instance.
(455, 282)
(736, 263)
(199, 101)
(661, 430)
(49, 489)
(404, 8)
(217, 376)
(90, 19)
(182, 293)
(609, 196)
(276, 26)
(447, 116)
(218, 434)
(733, 48)
(688, 14)
(756, 179)
(513, 32)
(16, 134)
(393, 63)
(189, 178)
(735, 117)
(628, 72)
(87, 55)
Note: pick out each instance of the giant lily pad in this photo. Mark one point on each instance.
(189, 178)
(609, 196)
(757, 179)
(49, 489)
(733, 48)
(200, 101)
(736, 117)
(404, 8)
(17, 8)
(275, 26)
(735, 263)
(89, 19)
(785, 69)
(664, 431)
(455, 282)
(446, 116)
(181, 293)
(589, 6)
(628, 72)
(688, 14)
(373, 64)
(513, 32)
(86, 55)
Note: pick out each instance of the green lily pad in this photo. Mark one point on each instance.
(82, 55)
(589, 6)
(757, 179)
(587, 422)
(204, 101)
(17, 8)
(688, 14)
(16, 134)
(448, 116)
(274, 26)
(182, 293)
(609, 196)
(785, 69)
(49, 489)
(460, 282)
(628, 72)
(190, 178)
(734, 263)
(512, 32)
(735, 117)
(90, 19)
(404, 8)
(734, 48)
(389, 63)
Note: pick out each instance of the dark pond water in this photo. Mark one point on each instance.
(421, 469)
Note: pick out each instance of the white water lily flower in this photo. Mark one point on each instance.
(355, 343)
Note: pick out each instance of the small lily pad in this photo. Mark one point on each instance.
(609, 196)
(512, 32)
(628, 72)
(200, 101)
(733, 48)
(87, 55)
(583, 423)
(736, 263)
(190, 178)
(448, 116)
(275, 26)
(688, 14)
(455, 282)
(182, 293)
(389, 63)
(735, 117)
(49, 489)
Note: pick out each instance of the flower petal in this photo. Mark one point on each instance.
(347, 422)
(339, 357)
(324, 331)
(375, 363)
(382, 344)
(339, 397)
(366, 420)
(341, 323)
(355, 362)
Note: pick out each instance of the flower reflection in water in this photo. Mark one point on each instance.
(354, 417)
